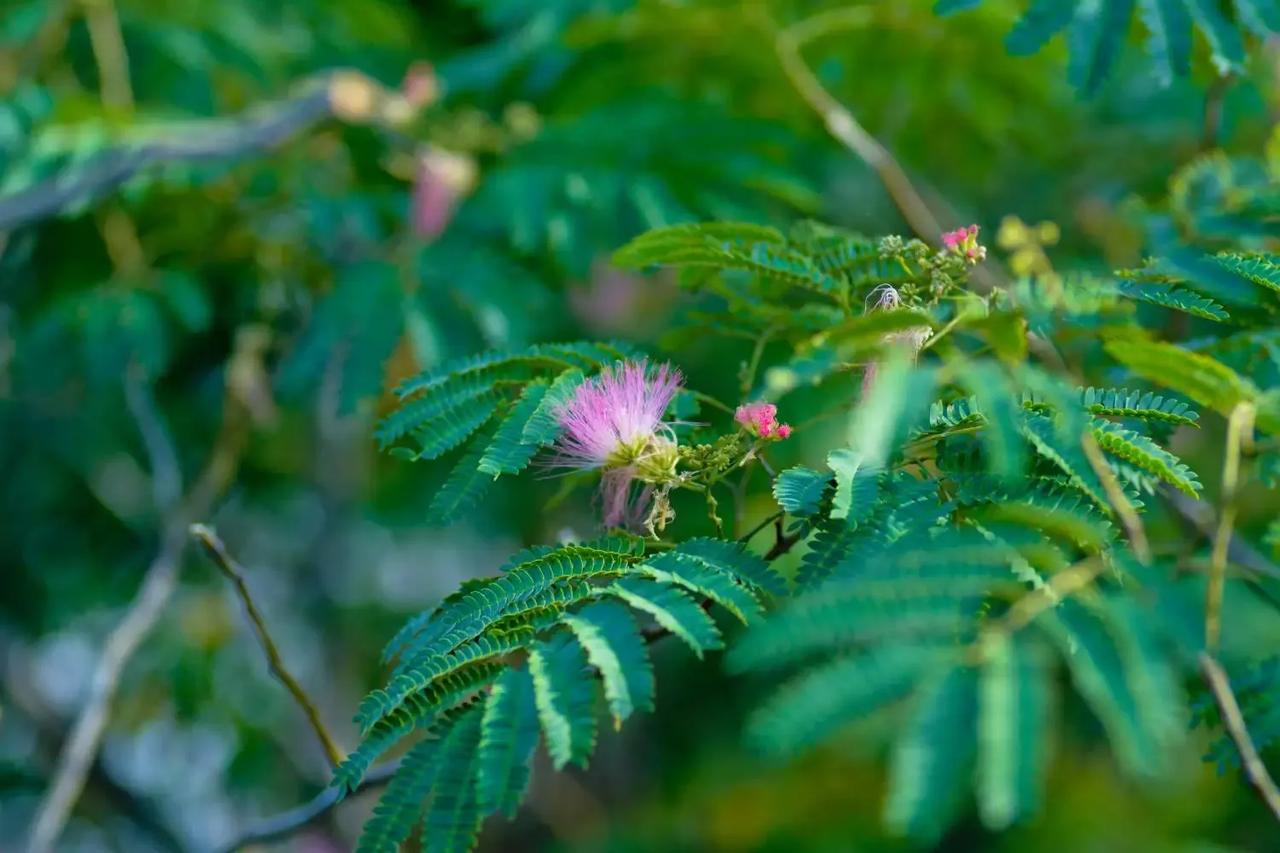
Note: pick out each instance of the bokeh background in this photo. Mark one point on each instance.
(465, 193)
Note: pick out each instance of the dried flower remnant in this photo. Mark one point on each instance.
(443, 178)
(614, 422)
(885, 297)
(964, 242)
(761, 419)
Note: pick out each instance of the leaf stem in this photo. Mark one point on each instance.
(1239, 430)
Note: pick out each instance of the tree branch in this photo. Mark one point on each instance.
(159, 582)
(1233, 721)
(234, 572)
(344, 94)
(288, 822)
(845, 129)
(81, 747)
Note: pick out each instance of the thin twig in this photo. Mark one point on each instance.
(166, 475)
(1233, 721)
(288, 822)
(81, 747)
(234, 572)
(1062, 585)
(159, 582)
(1200, 515)
(845, 129)
(1120, 502)
(1239, 428)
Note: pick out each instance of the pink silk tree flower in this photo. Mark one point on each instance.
(761, 419)
(964, 241)
(614, 422)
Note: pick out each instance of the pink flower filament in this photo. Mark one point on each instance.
(761, 419)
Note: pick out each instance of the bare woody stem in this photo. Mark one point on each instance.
(1239, 431)
(1233, 721)
(234, 573)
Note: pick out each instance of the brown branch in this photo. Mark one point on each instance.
(159, 582)
(81, 746)
(346, 95)
(234, 572)
(1233, 721)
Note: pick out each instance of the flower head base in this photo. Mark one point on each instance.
(761, 419)
(964, 242)
(614, 422)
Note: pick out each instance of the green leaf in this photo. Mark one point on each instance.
(1169, 42)
(564, 693)
(452, 821)
(508, 453)
(933, 758)
(661, 245)
(1260, 16)
(508, 737)
(950, 7)
(615, 648)
(695, 575)
(544, 425)
(447, 430)
(898, 398)
(672, 609)
(1139, 450)
(1261, 268)
(856, 485)
(867, 331)
(1204, 379)
(465, 485)
(437, 401)
(1066, 452)
(807, 709)
(1123, 403)
(1013, 722)
(1176, 298)
(1097, 31)
(1042, 21)
(401, 803)
(1006, 452)
(799, 491)
(1224, 38)
(733, 559)
(1099, 674)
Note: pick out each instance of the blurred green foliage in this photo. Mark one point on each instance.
(249, 248)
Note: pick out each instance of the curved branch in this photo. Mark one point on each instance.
(846, 130)
(158, 585)
(235, 574)
(1233, 721)
(288, 822)
(348, 95)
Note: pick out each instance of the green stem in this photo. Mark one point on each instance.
(1239, 425)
